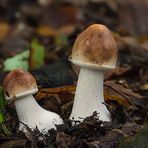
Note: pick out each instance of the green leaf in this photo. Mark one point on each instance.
(2, 99)
(4, 129)
(18, 61)
(37, 54)
(2, 105)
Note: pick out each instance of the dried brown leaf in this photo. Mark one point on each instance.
(124, 93)
(116, 72)
(4, 30)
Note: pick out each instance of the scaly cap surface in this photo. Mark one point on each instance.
(18, 83)
(95, 48)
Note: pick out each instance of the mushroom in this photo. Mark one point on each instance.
(95, 51)
(20, 86)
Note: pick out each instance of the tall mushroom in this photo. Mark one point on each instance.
(95, 51)
(20, 87)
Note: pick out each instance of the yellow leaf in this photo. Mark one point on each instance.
(4, 30)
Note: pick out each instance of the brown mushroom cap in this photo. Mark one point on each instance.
(18, 82)
(95, 48)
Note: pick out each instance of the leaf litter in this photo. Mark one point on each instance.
(125, 88)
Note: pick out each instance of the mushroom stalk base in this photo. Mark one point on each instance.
(89, 96)
(30, 113)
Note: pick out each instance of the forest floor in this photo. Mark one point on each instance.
(49, 28)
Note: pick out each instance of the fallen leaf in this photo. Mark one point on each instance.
(116, 72)
(4, 30)
(49, 31)
(67, 29)
(64, 93)
(69, 88)
(124, 94)
(18, 61)
(46, 31)
(37, 53)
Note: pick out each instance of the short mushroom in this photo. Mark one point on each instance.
(95, 51)
(20, 86)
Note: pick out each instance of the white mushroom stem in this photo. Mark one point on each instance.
(89, 96)
(30, 113)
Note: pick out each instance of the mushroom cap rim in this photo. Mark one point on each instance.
(18, 96)
(92, 66)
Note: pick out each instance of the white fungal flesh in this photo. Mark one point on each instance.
(30, 113)
(22, 94)
(89, 96)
